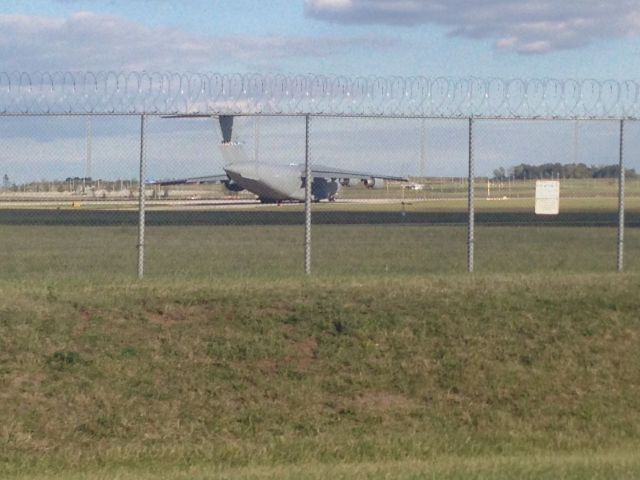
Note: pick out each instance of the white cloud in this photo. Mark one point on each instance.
(88, 41)
(525, 26)
(334, 4)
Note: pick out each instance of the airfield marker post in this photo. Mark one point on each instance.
(307, 200)
(141, 202)
(471, 203)
(621, 175)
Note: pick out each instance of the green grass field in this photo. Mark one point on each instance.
(499, 376)
(266, 242)
(265, 253)
(389, 362)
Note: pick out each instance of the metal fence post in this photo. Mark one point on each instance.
(141, 201)
(471, 203)
(621, 175)
(423, 147)
(307, 201)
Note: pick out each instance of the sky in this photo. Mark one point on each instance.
(455, 38)
(432, 38)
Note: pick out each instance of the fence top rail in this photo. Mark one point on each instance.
(337, 115)
(166, 93)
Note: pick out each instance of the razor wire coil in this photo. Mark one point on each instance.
(255, 94)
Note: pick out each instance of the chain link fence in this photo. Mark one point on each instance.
(68, 197)
(512, 158)
(217, 228)
(109, 174)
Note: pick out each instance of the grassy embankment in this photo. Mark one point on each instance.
(445, 377)
(225, 362)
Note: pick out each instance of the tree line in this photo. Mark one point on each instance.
(525, 171)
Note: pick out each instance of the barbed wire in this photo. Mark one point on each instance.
(250, 94)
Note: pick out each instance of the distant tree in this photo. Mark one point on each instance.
(5, 181)
(499, 174)
(570, 170)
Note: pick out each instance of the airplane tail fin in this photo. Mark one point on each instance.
(226, 127)
(232, 152)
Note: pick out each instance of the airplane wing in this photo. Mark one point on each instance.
(330, 172)
(188, 115)
(190, 181)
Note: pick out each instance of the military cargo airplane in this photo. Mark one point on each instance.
(274, 183)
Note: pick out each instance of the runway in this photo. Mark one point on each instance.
(183, 205)
(258, 214)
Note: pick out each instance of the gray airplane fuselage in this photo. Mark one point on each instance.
(276, 183)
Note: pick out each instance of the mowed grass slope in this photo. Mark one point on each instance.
(445, 377)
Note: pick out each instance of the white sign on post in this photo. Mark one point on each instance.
(547, 197)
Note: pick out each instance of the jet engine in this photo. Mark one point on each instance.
(232, 186)
(322, 189)
(373, 183)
